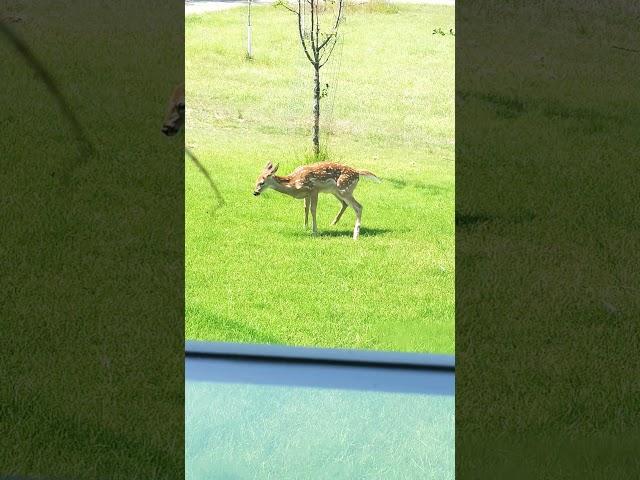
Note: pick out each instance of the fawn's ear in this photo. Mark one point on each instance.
(275, 169)
(268, 166)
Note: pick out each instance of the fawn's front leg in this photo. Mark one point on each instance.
(306, 212)
(314, 205)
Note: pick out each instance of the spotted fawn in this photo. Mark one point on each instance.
(308, 181)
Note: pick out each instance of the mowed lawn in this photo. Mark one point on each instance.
(78, 398)
(253, 273)
(548, 310)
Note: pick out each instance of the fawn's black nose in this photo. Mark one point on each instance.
(169, 131)
(256, 193)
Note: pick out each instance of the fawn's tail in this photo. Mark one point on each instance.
(367, 174)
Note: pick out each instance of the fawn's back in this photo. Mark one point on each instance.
(324, 176)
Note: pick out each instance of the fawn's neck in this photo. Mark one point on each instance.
(284, 185)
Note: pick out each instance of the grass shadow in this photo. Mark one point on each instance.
(513, 107)
(244, 332)
(504, 106)
(470, 220)
(428, 188)
(364, 232)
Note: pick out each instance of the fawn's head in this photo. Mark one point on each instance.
(174, 116)
(265, 178)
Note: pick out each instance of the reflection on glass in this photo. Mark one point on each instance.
(262, 432)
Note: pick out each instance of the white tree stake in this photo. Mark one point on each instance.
(249, 50)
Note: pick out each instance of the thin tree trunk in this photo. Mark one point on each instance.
(316, 112)
(313, 47)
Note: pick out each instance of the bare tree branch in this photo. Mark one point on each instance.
(313, 43)
(317, 49)
(326, 58)
(283, 3)
(335, 29)
(339, 16)
(326, 41)
(304, 44)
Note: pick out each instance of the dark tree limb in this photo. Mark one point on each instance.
(84, 144)
(205, 172)
(625, 49)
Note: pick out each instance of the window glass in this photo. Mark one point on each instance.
(255, 431)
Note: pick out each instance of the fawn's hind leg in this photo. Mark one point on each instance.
(344, 207)
(358, 209)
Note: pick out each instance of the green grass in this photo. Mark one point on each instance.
(253, 274)
(81, 322)
(547, 304)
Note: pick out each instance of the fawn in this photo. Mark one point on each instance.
(308, 181)
(174, 116)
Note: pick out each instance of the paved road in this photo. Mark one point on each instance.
(202, 6)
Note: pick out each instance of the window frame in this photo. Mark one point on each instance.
(399, 372)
